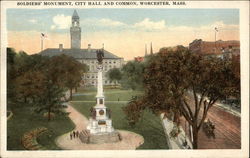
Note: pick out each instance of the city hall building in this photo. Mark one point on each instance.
(86, 56)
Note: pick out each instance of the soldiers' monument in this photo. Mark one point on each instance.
(100, 124)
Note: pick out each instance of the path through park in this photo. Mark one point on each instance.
(130, 140)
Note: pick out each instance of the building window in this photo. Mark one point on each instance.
(87, 76)
(93, 76)
(106, 62)
(114, 62)
(106, 82)
(92, 62)
(110, 62)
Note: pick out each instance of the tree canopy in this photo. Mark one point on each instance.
(132, 74)
(179, 83)
(41, 81)
(114, 74)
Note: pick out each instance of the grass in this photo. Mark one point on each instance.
(88, 94)
(24, 120)
(149, 127)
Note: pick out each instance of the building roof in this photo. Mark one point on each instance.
(77, 53)
(75, 15)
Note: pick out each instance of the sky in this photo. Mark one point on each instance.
(124, 32)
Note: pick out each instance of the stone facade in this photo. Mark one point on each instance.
(90, 78)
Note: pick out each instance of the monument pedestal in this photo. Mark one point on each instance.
(104, 137)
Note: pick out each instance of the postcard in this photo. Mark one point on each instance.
(124, 79)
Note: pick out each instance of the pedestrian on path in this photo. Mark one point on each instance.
(74, 134)
(77, 134)
(70, 136)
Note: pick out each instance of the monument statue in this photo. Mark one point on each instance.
(99, 55)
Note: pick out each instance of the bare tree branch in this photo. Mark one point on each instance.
(196, 102)
(190, 111)
(184, 112)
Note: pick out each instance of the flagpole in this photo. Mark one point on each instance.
(41, 43)
(215, 40)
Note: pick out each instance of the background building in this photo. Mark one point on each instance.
(86, 56)
(218, 48)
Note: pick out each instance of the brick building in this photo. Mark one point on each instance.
(219, 48)
(139, 59)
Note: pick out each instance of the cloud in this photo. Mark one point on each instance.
(143, 25)
(33, 21)
(61, 21)
(105, 22)
(109, 22)
(147, 24)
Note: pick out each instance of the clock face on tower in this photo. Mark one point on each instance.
(101, 112)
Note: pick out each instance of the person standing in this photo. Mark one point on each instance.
(77, 134)
(70, 136)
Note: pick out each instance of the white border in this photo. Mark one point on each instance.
(244, 41)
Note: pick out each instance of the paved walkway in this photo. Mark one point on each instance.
(129, 140)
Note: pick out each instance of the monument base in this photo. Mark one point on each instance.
(100, 138)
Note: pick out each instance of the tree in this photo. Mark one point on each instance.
(51, 100)
(41, 81)
(65, 71)
(179, 83)
(114, 74)
(132, 74)
(10, 76)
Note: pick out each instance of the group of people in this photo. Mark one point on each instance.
(74, 134)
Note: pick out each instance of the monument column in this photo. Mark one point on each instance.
(100, 124)
(99, 84)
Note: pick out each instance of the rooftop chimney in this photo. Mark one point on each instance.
(60, 47)
(89, 47)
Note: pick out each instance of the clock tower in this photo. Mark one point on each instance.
(75, 31)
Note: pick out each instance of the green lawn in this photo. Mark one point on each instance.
(149, 127)
(25, 120)
(88, 94)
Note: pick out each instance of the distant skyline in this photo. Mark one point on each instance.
(124, 32)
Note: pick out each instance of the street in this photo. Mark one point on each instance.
(227, 131)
